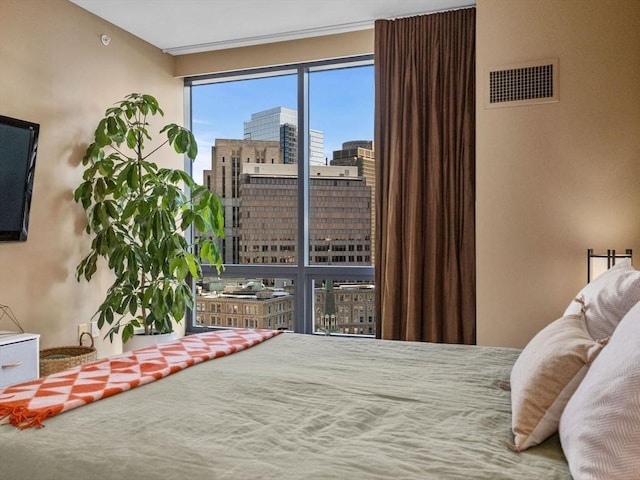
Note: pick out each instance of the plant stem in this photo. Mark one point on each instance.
(143, 284)
(155, 149)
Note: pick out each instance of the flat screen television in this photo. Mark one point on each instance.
(18, 149)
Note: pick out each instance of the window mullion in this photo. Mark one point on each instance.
(303, 320)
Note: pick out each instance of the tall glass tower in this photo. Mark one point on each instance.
(281, 124)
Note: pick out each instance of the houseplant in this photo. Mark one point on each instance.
(140, 215)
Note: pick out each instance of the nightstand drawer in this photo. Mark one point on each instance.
(19, 362)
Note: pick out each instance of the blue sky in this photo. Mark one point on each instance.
(341, 105)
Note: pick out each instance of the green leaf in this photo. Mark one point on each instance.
(80, 192)
(100, 189)
(101, 138)
(183, 269)
(174, 266)
(133, 305)
(127, 332)
(192, 151)
(132, 266)
(187, 219)
(178, 308)
(200, 223)
(186, 294)
(157, 225)
(108, 315)
(112, 209)
(182, 141)
(146, 298)
(129, 209)
(131, 139)
(192, 264)
(172, 130)
(91, 266)
(105, 167)
(112, 126)
(168, 297)
(205, 251)
(153, 104)
(99, 218)
(186, 178)
(157, 305)
(133, 180)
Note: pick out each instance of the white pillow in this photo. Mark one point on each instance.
(608, 298)
(600, 426)
(545, 375)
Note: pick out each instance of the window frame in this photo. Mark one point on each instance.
(303, 273)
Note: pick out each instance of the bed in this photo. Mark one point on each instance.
(298, 407)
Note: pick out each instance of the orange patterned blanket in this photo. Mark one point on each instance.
(29, 404)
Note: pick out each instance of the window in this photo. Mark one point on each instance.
(297, 197)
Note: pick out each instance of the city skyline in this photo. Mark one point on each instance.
(257, 230)
(260, 204)
(338, 105)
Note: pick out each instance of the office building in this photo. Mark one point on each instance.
(281, 124)
(361, 154)
(340, 215)
(246, 304)
(227, 156)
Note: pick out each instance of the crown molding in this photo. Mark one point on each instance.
(271, 38)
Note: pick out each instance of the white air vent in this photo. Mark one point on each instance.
(523, 84)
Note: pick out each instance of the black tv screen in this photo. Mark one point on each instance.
(18, 149)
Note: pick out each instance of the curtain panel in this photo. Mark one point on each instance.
(425, 177)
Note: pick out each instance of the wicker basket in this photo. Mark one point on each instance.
(57, 359)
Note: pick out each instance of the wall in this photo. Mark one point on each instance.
(55, 71)
(554, 179)
(278, 53)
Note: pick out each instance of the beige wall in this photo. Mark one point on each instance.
(554, 179)
(278, 53)
(55, 71)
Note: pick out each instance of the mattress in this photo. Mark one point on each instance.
(298, 406)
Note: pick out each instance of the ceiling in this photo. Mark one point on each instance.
(189, 26)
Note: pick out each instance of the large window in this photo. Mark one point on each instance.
(290, 152)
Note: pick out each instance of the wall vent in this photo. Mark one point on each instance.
(523, 84)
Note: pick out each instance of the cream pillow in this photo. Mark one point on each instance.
(545, 375)
(600, 426)
(608, 298)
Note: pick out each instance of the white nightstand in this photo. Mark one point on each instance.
(19, 357)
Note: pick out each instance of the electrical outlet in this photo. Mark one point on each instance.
(95, 331)
(82, 327)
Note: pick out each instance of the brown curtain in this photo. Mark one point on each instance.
(425, 177)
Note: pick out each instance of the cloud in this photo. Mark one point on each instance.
(201, 122)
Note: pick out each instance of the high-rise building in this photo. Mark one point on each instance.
(339, 210)
(281, 124)
(288, 143)
(316, 148)
(259, 196)
(360, 153)
(227, 158)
